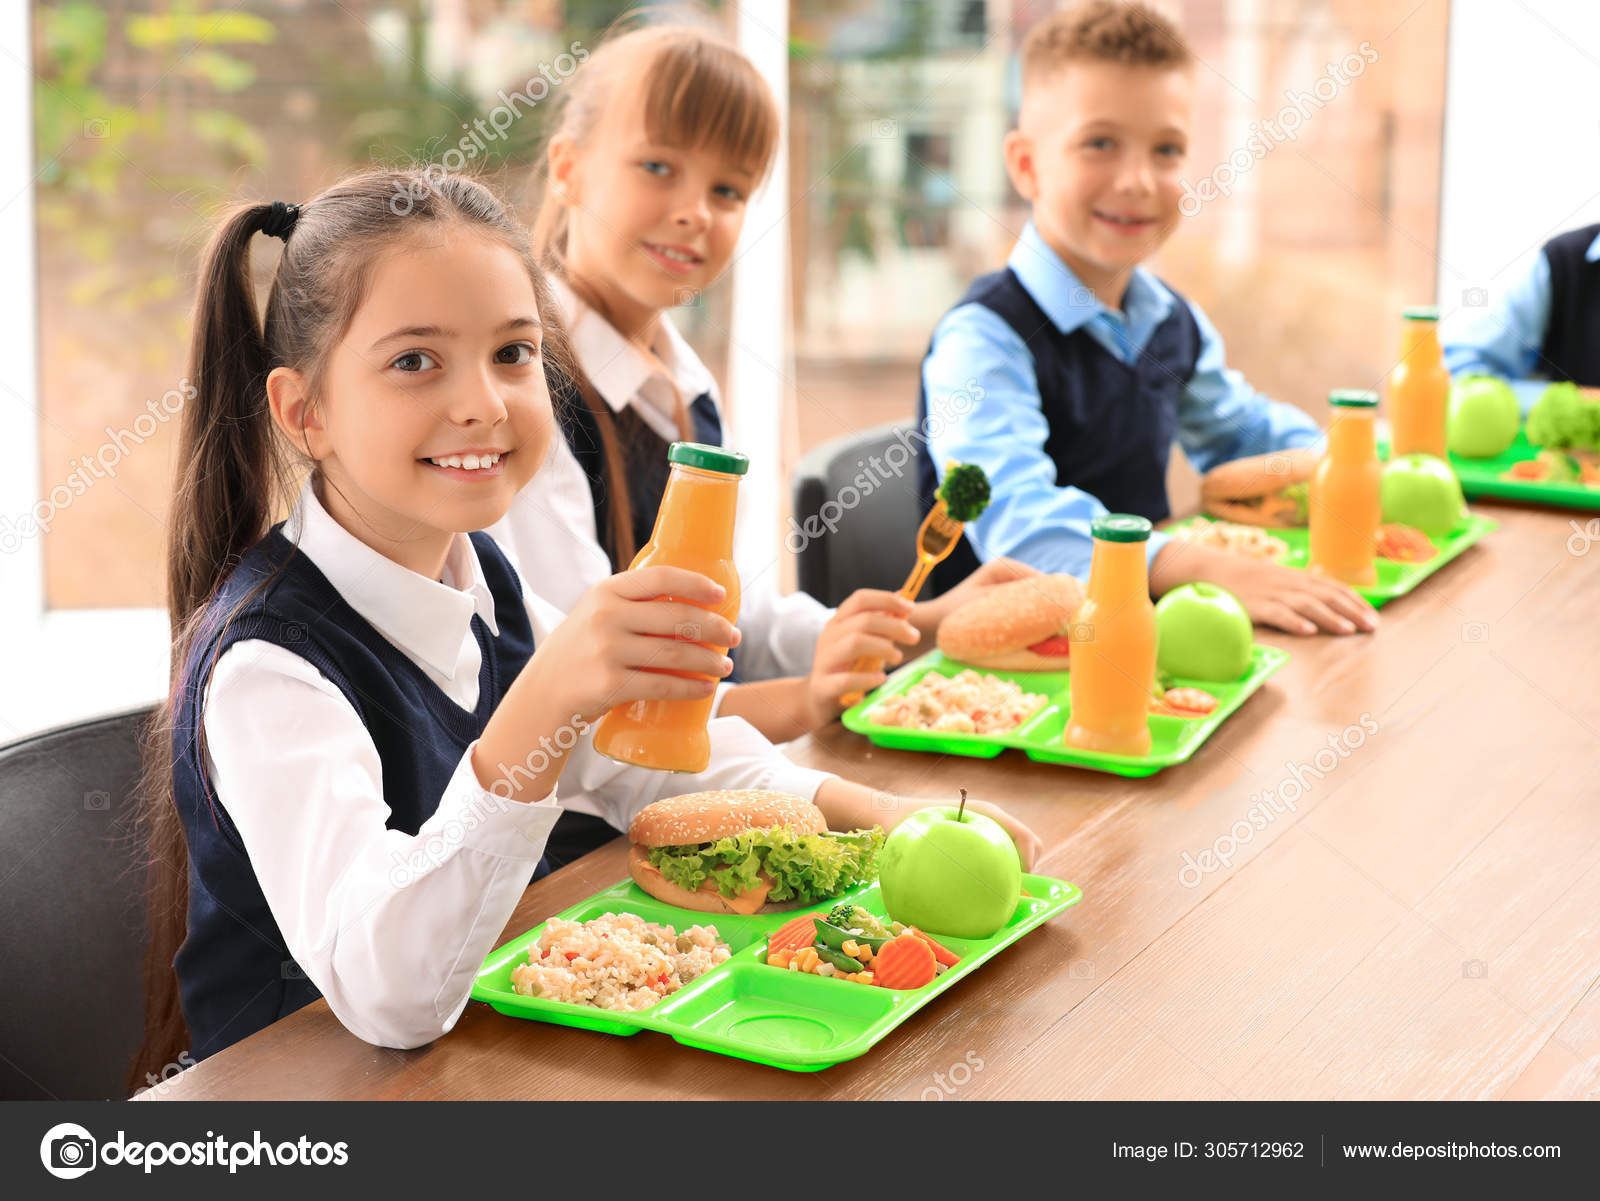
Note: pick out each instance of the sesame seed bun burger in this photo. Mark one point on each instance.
(745, 851)
(1268, 490)
(1020, 626)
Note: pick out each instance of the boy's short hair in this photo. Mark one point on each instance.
(1107, 31)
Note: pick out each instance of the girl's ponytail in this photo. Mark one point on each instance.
(232, 467)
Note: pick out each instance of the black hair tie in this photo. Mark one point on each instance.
(280, 221)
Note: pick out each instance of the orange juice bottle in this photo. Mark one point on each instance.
(694, 530)
(1419, 388)
(1114, 662)
(1346, 493)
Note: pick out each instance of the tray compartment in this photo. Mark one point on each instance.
(745, 937)
(763, 1011)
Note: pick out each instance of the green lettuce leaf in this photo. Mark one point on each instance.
(806, 867)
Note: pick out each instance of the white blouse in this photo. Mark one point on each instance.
(550, 529)
(391, 927)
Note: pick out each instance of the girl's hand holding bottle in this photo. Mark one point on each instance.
(634, 636)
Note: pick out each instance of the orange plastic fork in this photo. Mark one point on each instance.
(935, 540)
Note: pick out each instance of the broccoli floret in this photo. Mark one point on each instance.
(965, 491)
(840, 916)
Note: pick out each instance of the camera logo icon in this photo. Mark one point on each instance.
(885, 128)
(1474, 298)
(687, 631)
(67, 1151)
(1081, 631)
(686, 296)
(1474, 969)
(1277, 465)
(97, 127)
(1475, 631)
(97, 800)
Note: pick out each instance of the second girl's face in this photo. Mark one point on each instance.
(649, 224)
(435, 410)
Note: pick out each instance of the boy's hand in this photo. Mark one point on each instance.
(1287, 598)
(867, 625)
(927, 615)
(622, 638)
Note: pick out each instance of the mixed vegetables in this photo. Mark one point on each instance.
(1555, 467)
(1187, 703)
(848, 943)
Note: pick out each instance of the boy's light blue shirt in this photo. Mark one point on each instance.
(1504, 338)
(1002, 428)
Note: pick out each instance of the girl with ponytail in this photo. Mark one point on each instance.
(355, 773)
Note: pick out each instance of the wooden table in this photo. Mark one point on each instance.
(1423, 922)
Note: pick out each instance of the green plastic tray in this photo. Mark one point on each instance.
(1481, 477)
(748, 1010)
(1173, 739)
(1394, 579)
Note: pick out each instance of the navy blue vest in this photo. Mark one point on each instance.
(1111, 425)
(234, 971)
(1571, 349)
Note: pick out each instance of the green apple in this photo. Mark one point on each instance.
(1422, 491)
(950, 872)
(1203, 633)
(1484, 417)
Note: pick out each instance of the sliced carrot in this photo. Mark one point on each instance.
(940, 954)
(1527, 469)
(795, 933)
(904, 962)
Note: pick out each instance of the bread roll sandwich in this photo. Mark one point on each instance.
(1021, 626)
(1267, 490)
(745, 851)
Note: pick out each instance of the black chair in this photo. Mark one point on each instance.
(856, 513)
(72, 919)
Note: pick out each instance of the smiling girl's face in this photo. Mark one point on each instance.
(649, 224)
(433, 410)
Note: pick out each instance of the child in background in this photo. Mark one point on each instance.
(357, 768)
(1544, 324)
(662, 136)
(1068, 374)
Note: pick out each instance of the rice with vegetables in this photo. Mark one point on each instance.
(967, 703)
(616, 961)
(1251, 541)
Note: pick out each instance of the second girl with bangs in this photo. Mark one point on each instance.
(662, 137)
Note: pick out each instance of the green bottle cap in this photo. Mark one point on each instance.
(1353, 398)
(1422, 312)
(1121, 527)
(708, 458)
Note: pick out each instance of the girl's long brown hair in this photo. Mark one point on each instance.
(692, 88)
(236, 471)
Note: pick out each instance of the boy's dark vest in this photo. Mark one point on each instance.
(1571, 349)
(235, 973)
(1111, 425)
(644, 457)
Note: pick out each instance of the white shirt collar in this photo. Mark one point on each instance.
(425, 619)
(616, 368)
